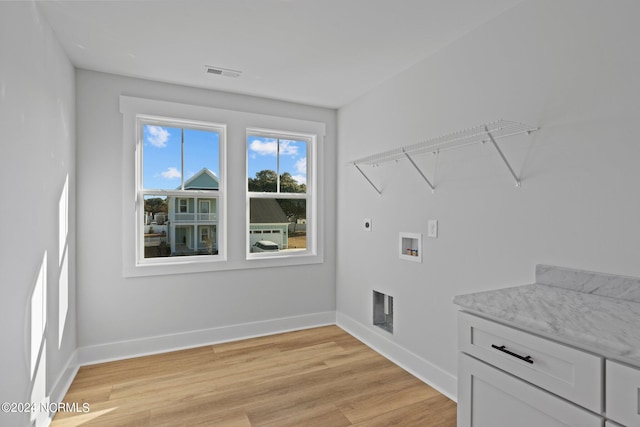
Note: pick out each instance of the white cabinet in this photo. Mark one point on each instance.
(489, 397)
(562, 370)
(623, 393)
(508, 377)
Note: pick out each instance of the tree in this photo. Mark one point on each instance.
(155, 205)
(265, 181)
(294, 209)
(289, 185)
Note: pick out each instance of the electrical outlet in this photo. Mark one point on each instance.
(432, 228)
(366, 224)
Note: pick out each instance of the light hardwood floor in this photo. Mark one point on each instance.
(315, 377)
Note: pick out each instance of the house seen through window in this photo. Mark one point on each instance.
(179, 188)
(278, 191)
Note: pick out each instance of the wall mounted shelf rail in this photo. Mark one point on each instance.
(489, 132)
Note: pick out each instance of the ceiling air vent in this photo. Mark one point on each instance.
(222, 71)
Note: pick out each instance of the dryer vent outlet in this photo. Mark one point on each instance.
(383, 311)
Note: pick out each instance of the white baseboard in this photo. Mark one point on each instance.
(427, 372)
(62, 383)
(164, 343)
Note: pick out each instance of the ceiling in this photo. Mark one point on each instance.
(318, 52)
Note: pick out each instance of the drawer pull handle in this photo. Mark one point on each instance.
(503, 349)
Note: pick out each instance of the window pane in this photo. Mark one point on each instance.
(277, 223)
(155, 226)
(161, 157)
(293, 166)
(201, 159)
(270, 158)
(180, 226)
(262, 164)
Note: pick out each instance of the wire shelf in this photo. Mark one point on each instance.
(478, 134)
(489, 132)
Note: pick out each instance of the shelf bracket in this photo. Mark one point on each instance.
(433, 189)
(367, 178)
(504, 159)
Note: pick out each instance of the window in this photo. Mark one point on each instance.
(280, 193)
(182, 205)
(179, 182)
(204, 234)
(175, 220)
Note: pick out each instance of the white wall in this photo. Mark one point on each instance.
(569, 66)
(122, 316)
(37, 255)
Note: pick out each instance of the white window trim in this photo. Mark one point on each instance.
(310, 195)
(133, 110)
(183, 195)
(232, 251)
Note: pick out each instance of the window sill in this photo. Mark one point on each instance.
(209, 265)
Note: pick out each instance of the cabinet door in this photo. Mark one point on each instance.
(488, 397)
(623, 393)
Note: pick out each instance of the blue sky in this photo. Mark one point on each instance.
(263, 155)
(162, 156)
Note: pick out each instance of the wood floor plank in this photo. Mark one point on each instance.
(437, 411)
(308, 416)
(316, 377)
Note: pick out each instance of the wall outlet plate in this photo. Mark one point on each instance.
(432, 228)
(366, 224)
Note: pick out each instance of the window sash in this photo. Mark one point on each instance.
(182, 196)
(309, 195)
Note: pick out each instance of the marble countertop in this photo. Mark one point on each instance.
(600, 324)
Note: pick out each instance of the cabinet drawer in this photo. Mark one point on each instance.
(562, 370)
(488, 397)
(623, 394)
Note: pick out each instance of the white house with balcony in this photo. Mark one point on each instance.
(193, 220)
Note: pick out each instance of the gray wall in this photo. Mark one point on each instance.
(568, 66)
(37, 256)
(123, 316)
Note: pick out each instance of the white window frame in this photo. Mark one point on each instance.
(231, 235)
(183, 196)
(136, 113)
(310, 196)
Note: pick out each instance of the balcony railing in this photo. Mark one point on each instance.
(196, 217)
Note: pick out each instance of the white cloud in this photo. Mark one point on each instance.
(266, 148)
(171, 173)
(301, 179)
(288, 150)
(301, 165)
(269, 147)
(158, 136)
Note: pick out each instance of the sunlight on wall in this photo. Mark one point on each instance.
(63, 220)
(38, 314)
(38, 350)
(63, 249)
